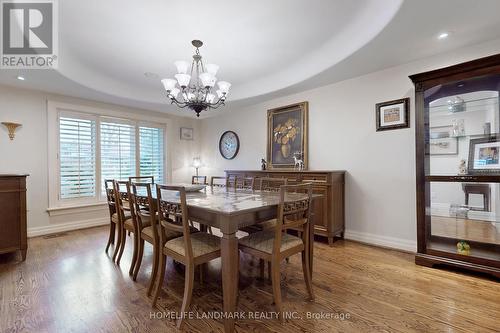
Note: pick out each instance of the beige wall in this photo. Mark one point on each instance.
(380, 186)
(28, 154)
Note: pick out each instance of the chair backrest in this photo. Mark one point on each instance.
(173, 214)
(271, 184)
(110, 195)
(231, 181)
(142, 206)
(294, 211)
(121, 190)
(218, 181)
(246, 183)
(142, 179)
(199, 180)
(236, 182)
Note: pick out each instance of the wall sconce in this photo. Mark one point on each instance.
(196, 164)
(11, 127)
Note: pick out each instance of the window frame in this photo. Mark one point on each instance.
(55, 110)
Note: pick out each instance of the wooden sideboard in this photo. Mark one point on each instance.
(329, 216)
(13, 234)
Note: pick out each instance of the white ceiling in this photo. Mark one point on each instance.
(264, 48)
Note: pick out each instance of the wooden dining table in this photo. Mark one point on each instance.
(230, 210)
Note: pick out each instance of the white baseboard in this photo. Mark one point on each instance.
(390, 242)
(62, 227)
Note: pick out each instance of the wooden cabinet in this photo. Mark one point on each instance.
(13, 234)
(329, 219)
(457, 152)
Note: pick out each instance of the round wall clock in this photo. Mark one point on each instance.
(229, 145)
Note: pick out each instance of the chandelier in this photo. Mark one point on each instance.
(196, 89)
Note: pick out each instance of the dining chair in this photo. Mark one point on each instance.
(231, 181)
(270, 185)
(199, 180)
(218, 181)
(192, 249)
(276, 245)
(125, 219)
(142, 179)
(146, 220)
(235, 182)
(110, 196)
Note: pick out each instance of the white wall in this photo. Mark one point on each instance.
(380, 185)
(27, 153)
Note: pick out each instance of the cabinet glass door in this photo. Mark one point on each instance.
(462, 168)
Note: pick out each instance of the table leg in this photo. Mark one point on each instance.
(230, 257)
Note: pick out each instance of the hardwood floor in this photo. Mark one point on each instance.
(68, 284)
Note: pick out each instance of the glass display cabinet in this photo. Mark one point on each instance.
(458, 165)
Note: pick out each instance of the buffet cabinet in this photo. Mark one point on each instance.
(13, 234)
(458, 165)
(328, 210)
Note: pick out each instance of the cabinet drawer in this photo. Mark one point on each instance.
(321, 178)
(291, 178)
(10, 184)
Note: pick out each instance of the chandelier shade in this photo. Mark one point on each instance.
(194, 87)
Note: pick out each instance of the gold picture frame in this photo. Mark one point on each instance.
(287, 135)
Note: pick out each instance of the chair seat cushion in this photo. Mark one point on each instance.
(114, 217)
(264, 240)
(201, 242)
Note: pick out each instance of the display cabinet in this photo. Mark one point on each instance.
(458, 165)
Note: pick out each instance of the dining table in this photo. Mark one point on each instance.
(229, 210)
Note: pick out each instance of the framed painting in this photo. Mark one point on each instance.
(287, 136)
(441, 141)
(186, 133)
(393, 114)
(484, 155)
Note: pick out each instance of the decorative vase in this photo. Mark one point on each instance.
(285, 150)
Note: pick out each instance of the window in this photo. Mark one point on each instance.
(94, 148)
(117, 151)
(77, 149)
(151, 150)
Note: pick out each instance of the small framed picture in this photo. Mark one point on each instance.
(186, 133)
(393, 114)
(441, 141)
(484, 155)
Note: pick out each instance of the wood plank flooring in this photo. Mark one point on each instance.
(68, 284)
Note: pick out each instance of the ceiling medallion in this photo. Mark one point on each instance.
(196, 89)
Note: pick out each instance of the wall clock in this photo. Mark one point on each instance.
(229, 145)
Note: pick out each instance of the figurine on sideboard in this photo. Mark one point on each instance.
(298, 161)
(263, 165)
(462, 167)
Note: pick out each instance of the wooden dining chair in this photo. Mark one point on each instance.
(121, 216)
(231, 181)
(235, 182)
(126, 220)
(190, 249)
(270, 185)
(217, 181)
(199, 180)
(276, 245)
(146, 220)
(142, 179)
(110, 196)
